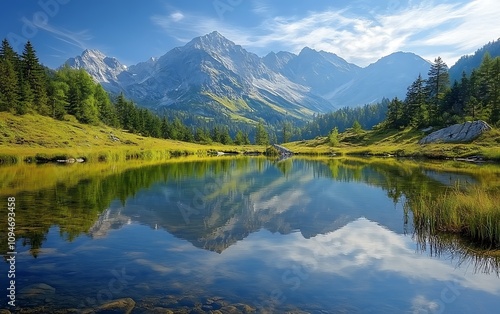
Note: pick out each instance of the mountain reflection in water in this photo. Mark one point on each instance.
(317, 235)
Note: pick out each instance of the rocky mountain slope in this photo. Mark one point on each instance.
(106, 70)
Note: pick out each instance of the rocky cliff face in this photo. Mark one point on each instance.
(457, 133)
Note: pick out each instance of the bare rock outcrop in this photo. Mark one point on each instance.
(457, 133)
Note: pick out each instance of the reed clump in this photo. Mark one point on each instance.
(472, 211)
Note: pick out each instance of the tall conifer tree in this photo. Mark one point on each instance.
(33, 74)
(437, 85)
(9, 78)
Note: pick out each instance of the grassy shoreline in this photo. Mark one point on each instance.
(393, 143)
(40, 138)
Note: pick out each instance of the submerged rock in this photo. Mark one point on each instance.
(457, 133)
(40, 291)
(161, 310)
(121, 306)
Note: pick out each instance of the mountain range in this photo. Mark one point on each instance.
(212, 76)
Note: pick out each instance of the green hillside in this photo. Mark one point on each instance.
(35, 135)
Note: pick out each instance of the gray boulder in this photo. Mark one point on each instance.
(457, 133)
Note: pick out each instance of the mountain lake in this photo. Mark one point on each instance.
(240, 235)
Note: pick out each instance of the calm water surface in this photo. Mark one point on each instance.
(321, 236)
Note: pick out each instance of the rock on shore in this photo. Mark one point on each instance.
(457, 133)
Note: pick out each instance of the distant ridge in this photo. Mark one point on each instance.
(212, 76)
(468, 63)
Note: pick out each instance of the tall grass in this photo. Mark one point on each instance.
(472, 211)
(8, 159)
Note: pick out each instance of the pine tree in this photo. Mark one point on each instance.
(9, 87)
(238, 138)
(166, 128)
(8, 53)
(484, 75)
(88, 111)
(452, 104)
(178, 130)
(82, 96)
(356, 127)
(495, 92)
(154, 126)
(3, 102)
(58, 99)
(74, 98)
(9, 78)
(121, 110)
(464, 94)
(26, 98)
(142, 121)
(34, 75)
(473, 105)
(488, 91)
(437, 86)
(395, 114)
(225, 138)
(457, 100)
(286, 131)
(187, 134)
(333, 137)
(202, 135)
(261, 135)
(246, 138)
(107, 112)
(241, 138)
(273, 138)
(216, 134)
(132, 117)
(416, 109)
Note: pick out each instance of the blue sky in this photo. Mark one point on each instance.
(360, 31)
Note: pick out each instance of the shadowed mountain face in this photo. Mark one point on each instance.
(211, 76)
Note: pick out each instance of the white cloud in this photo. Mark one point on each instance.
(428, 28)
(420, 304)
(157, 267)
(363, 244)
(177, 16)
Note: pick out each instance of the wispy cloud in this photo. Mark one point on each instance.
(58, 53)
(77, 39)
(478, 21)
(261, 7)
(428, 28)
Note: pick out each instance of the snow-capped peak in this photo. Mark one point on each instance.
(102, 68)
(93, 54)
